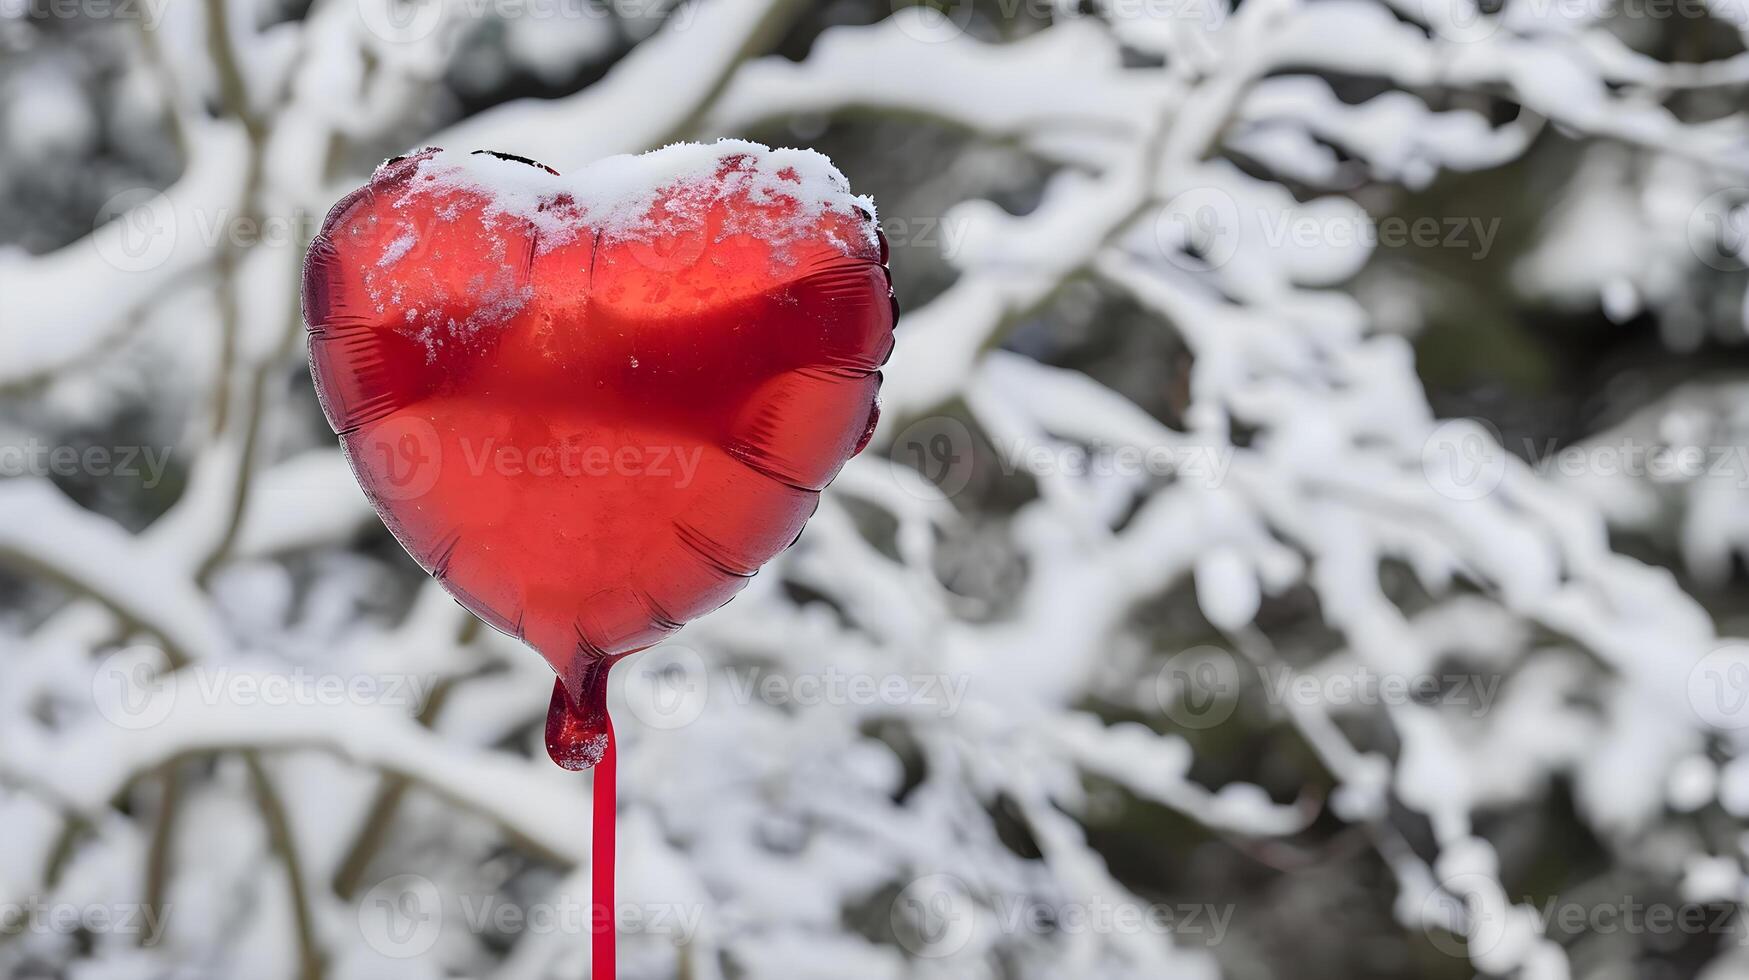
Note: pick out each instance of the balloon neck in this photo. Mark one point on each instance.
(578, 728)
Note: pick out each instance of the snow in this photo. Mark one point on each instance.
(48, 532)
(644, 196)
(959, 80)
(618, 114)
(397, 249)
(55, 119)
(53, 317)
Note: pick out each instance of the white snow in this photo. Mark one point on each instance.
(783, 192)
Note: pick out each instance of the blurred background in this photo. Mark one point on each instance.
(1306, 536)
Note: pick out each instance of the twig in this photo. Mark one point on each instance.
(312, 963)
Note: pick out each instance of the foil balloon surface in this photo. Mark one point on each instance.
(594, 405)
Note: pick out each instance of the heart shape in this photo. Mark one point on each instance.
(594, 406)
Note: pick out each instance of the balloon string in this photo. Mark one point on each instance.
(606, 792)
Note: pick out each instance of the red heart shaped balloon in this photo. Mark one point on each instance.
(593, 406)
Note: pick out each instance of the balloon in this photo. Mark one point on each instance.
(594, 406)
